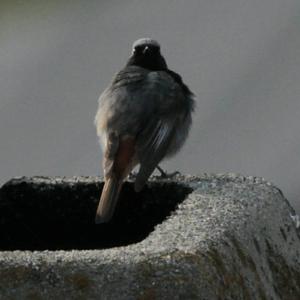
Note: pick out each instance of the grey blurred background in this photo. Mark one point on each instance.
(240, 57)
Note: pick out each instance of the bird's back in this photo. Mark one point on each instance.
(136, 96)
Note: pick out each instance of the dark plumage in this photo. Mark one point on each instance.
(144, 116)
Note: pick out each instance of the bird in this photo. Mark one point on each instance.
(143, 116)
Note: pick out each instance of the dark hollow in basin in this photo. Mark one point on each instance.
(38, 215)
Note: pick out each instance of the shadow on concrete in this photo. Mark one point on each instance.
(61, 216)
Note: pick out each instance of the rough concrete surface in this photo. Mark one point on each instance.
(219, 236)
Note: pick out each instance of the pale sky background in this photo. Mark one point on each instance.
(240, 57)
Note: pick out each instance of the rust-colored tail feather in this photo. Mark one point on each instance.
(108, 200)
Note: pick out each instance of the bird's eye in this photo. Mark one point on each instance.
(139, 50)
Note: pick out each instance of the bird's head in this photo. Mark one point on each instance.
(146, 54)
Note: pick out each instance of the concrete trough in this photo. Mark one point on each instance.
(221, 236)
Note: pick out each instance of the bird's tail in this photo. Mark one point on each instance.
(108, 200)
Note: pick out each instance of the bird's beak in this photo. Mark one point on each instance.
(145, 49)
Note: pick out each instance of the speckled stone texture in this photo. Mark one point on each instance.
(219, 236)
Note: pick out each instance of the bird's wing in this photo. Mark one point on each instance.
(158, 135)
(155, 148)
(118, 118)
(121, 109)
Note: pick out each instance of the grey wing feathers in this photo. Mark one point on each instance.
(167, 130)
(121, 106)
(154, 149)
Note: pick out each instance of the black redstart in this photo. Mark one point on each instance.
(144, 115)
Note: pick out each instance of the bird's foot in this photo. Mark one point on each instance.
(166, 175)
